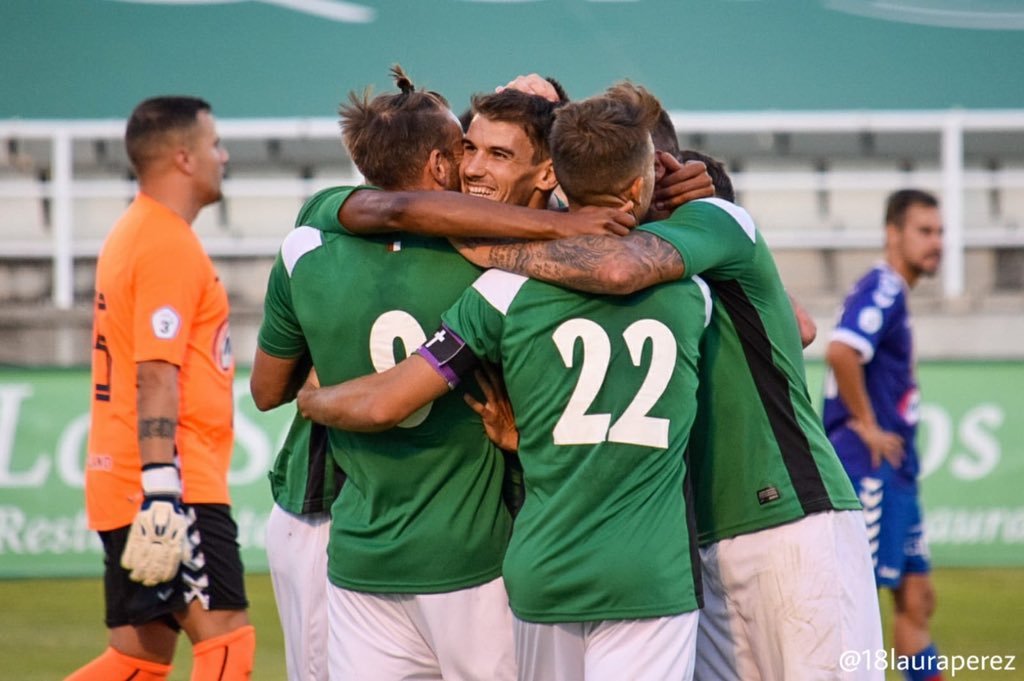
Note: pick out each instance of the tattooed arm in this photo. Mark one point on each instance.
(595, 264)
(157, 406)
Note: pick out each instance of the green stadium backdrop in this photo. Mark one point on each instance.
(260, 58)
(972, 451)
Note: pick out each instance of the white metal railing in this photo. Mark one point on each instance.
(951, 177)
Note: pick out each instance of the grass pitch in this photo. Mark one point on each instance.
(50, 627)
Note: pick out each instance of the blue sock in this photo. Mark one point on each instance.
(924, 665)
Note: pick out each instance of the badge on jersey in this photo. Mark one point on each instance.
(166, 323)
(870, 320)
(222, 353)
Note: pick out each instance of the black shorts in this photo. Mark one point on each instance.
(213, 576)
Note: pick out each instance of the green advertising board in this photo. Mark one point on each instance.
(283, 58)
(44, 422)
(971, 451)
(972, 455)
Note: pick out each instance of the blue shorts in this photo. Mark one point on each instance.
(895, 530)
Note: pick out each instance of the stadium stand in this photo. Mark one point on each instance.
(815, 182)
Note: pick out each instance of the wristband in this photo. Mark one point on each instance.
(161, 479)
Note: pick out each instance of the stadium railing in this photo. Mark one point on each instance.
(832, 205)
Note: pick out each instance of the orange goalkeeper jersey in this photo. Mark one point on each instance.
(157, 298)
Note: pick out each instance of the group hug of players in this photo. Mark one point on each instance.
(597, 459)
(659, 401)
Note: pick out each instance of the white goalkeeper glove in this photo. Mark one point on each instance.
(158, 539)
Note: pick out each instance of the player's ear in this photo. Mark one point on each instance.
(635, 192)
(182, 159)
(893, 235)
(546, 180)
(659, 167)
(438, 168)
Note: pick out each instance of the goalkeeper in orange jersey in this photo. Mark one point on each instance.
(161, 434)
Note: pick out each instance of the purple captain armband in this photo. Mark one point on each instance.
(449, 355)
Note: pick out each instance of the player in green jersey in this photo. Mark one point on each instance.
(599, 568)
(785, 561)
(418, 531)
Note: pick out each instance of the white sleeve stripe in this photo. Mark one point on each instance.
(499, 288)
(855, 341)
(708, 304)
(740, 215)
(299, 242)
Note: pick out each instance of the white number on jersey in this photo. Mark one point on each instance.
(576, 426)
(391, 326)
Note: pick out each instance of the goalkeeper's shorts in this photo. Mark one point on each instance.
(213, 576)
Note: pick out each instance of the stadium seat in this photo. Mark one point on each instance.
(859, 188)
(261, 204)
(781, 195)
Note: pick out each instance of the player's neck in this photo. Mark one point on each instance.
(539, 200)
(903, 268)
(605, 201)
(176, 197)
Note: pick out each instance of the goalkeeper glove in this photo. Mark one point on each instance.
(158, 539)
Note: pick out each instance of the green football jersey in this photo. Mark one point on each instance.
(304, 479)
(603, 389)
(421, 509)
(759, 453)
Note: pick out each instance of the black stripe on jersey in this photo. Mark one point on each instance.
(316, 471)
(773, 388)
(691, 529)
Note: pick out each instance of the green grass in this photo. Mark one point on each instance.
(50, 627)
(979, 612)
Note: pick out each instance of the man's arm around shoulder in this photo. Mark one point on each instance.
(595, 264)
(374, 402)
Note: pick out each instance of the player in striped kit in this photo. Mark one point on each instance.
(871, 412)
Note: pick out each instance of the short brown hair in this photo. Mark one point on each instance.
(716, 169)
(899, 203)
(390, 136)
(663, 132)
(532, 113)
(599, 145)
(154, 121)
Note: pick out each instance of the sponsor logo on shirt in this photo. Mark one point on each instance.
(166, 323)
(100, 462)
(909, 407)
